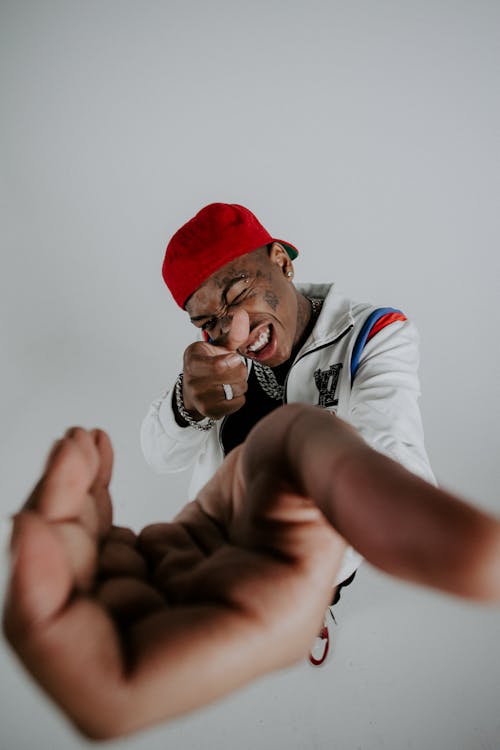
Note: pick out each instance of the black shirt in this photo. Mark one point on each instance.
(257, 404)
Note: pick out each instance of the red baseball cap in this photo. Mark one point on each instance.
(217, 234)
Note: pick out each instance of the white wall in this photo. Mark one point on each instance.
(365, 133)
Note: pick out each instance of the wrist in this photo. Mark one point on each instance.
(191, 410)
(185, 417)
(177, 415)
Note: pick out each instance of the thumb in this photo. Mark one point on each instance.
(41, 579)
(240, 328)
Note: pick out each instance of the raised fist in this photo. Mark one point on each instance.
(207, 368)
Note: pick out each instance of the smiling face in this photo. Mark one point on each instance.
(260, 283)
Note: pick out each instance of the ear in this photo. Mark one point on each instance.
(279, 256)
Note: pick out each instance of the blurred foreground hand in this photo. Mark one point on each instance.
(126, 630)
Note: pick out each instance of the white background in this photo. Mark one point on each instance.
(366, 133)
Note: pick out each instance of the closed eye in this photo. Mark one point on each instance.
(238, 299)
(241, 297)
(209, 325)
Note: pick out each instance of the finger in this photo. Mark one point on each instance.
(211, 579)
(154, 541)
(122, 534)
(75, 481)
(206, 533)
(61, 498)
(96, 513)
(213, 361)
(215, 405)
(176, 563)
(100, 486)
(81, 552)
(238, 389)
(204, 350)
(208, 391)
(105, 449)
(180, 546)
(240, 329)
(120, 559)
(72, 466)
(41, 578)
(225, 407)
(218, 496)
(192, 533)
(128, 599)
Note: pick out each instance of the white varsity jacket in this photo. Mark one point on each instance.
(368, 377)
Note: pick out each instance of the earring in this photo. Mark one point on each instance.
(289, 274)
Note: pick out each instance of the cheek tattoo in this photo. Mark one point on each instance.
(271, 299)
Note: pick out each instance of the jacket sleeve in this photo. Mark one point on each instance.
(168, 447)
(384, 397)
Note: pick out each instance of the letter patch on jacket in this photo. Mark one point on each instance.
(326, 382)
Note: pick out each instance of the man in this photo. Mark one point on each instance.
(124, 631)
(268, 343)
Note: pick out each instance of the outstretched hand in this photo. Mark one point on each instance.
(124, 630)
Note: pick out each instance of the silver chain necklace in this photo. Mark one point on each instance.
(266, 377)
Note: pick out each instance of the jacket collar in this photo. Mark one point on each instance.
(334, 319)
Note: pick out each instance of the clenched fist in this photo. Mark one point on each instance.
(208, 367)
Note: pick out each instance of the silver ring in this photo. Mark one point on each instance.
(228, 391)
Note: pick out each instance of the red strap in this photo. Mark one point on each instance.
(324, 635)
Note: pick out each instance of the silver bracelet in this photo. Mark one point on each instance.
(203, 424)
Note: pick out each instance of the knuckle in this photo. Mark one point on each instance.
(189, 351)
(220, 367)
(242, 370)
(194, 352)
(188, 387)
(189, 368)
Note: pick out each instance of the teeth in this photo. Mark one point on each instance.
(261, 341)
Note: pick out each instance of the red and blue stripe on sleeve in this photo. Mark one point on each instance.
(379, 319)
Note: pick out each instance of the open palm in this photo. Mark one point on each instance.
(123, 630)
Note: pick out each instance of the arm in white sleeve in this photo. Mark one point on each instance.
(168, 447)
(384, 399)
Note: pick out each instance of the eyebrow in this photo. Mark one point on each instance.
(230, 283)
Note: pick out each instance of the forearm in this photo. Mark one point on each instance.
(412, 529)
(397, 521)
